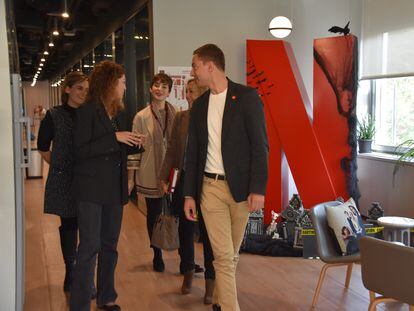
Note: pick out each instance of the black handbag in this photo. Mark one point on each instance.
(165, 231)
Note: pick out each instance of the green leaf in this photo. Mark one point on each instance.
(366, 128)
(406, 151)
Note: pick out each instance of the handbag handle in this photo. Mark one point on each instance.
(167, 208)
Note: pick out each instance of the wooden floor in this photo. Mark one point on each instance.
(264, 283)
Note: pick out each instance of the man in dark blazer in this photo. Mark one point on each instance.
(225, 164)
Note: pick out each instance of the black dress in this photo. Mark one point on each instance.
(57, 126)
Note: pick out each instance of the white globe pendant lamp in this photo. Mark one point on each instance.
(280, 27)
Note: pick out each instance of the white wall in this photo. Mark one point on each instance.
(376, 185)
(181, 26)
(35, 96)
(311, 20)
(7, 199)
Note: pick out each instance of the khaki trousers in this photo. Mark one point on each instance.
(226, 222)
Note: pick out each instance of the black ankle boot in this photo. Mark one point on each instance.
(68, 244)
(93, 295)
(67, 283)
(157, 262)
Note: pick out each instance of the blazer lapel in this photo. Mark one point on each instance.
(104, 118)
(149, 123)
(228, 111)
(203, 122)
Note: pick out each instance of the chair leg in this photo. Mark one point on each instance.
(371, 296)
(348, 275)
(318, 287)
(377, 300)
(373, 305)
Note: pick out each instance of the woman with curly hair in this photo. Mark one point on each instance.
(101, 139)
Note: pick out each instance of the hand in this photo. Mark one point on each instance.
(129, 138)
(164, 187)
(255, 201)
(142, 138)
(190, 209)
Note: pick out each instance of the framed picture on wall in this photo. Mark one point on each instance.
(180, 76)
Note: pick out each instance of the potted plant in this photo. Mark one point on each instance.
(366, 132)
(406, 152)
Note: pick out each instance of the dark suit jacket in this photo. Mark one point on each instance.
(100, 171)
(244, 144)
(176, 144)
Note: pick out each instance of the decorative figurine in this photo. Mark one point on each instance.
(292, 215)
(298, 241)
(272, 228)
(375, 212)
(296, 202)
(305, 222)
(254, 226)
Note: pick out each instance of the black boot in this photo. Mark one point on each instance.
(187, 282)
(94, 293)
(157, 262)
(68, 243)
(208, 295)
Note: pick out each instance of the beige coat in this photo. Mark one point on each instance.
(147, 176)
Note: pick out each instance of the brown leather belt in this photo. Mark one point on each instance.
(215, 176)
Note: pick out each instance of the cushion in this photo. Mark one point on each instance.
(346, 222)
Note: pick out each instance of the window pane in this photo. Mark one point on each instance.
(394, 110)
(119, 46)
(405, 109)
(104, 50)
(88, 63)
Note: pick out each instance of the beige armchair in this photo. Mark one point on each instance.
(388, 270)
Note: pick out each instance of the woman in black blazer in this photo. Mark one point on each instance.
(101, 142)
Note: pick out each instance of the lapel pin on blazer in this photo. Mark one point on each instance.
(233, 97)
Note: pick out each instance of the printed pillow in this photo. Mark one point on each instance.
(345, 220)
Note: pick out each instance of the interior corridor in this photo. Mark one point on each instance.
(264, 283)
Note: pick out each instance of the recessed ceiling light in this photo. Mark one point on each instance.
(41, 65)
(55, 33)
(51, 44)
(46, 53)
(65, 15)
(42, 59)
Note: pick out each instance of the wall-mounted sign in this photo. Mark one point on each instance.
(180, 76)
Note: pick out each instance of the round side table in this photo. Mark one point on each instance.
(397, 228)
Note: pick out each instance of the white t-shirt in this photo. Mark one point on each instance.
(214, 163)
